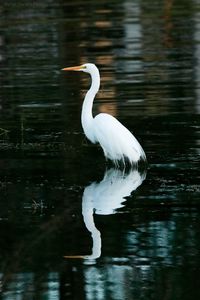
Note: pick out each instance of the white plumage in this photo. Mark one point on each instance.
(117, 142)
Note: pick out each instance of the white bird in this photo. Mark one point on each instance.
(117, 142)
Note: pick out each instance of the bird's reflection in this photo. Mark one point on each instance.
(104, 198)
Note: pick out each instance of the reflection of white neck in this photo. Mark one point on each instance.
(87, 211)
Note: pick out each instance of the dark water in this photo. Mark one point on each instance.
(72, 227)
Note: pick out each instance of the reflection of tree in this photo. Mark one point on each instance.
(197, 58)
(28, 58)
(167, 67)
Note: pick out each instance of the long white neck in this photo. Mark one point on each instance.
(86, 115)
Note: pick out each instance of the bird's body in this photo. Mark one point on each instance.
(117, 142)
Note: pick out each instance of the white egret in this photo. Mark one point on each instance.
(117, 142)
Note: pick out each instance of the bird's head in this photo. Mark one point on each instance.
(87, 68)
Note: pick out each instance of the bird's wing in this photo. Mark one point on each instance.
(116, 140)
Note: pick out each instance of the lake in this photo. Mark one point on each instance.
(72, 226)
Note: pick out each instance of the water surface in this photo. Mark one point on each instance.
(71, 226)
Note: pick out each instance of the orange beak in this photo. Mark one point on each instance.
(73, 256)
(76, 68)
